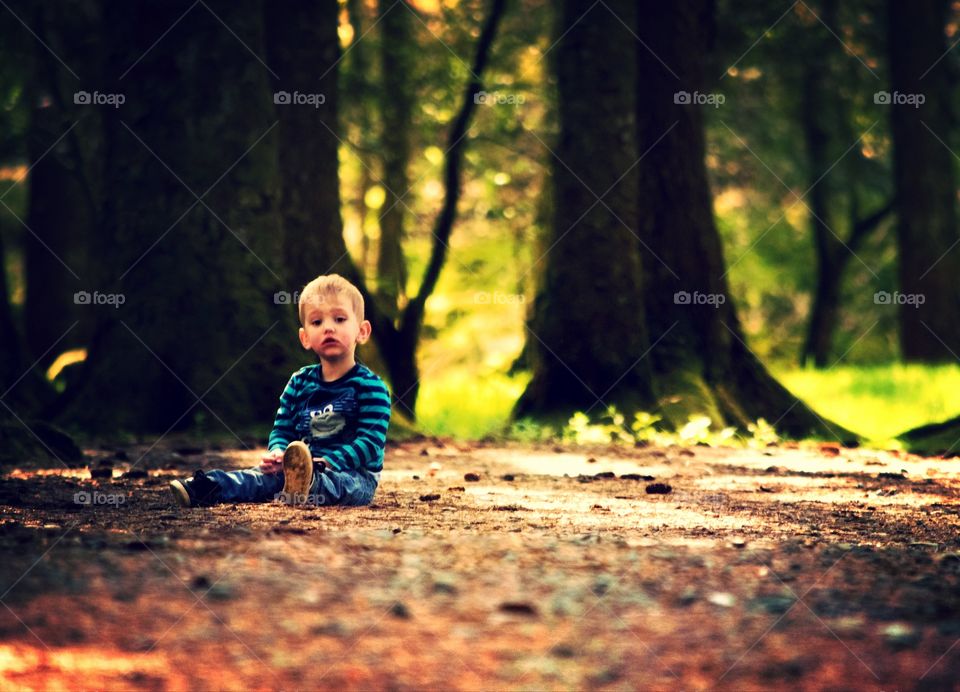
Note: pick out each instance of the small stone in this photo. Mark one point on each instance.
(508, 477)
(659, 489)
(591, 460)
(430, 497)
(901, 635)
(456, 489)
(101, 472)
(739, 543)
(722, 599)
(635, 477)
(471, 477)
(400, 610)
(135, 474)
(201, 581)
(518, 608)
(563, 651)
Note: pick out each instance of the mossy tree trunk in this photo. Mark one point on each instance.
(681, 323)
(702, 361)
(588, 328)
(197, 277)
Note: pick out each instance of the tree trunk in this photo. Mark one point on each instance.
(196, 278)
(927, 234)
(396, 99)
(819, 115)
(57, 218)
(701, 360)
(588, 332)
(302, 44)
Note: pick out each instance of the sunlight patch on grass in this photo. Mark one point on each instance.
(467, 405)
(879, 402)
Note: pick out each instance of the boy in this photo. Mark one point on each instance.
(327, 442)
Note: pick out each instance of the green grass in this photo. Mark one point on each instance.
(879, 402)
(467, 405)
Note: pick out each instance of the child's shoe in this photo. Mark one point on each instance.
(199, 491)
(297, 474)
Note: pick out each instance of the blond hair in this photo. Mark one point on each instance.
(330, 285)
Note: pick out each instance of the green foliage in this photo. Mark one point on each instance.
(610, 427)
(879, 402)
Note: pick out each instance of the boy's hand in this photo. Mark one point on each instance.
(272, 461)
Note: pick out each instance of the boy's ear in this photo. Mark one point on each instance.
(304, 339)
(364, 334)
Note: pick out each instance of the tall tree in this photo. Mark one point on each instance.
(396, 99)
(588, 326)
(59, 206)
(303, 51)
(826, 122)
(189, 226)
(927, 234)
(700, 361)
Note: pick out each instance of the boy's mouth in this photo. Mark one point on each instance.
(329, 342)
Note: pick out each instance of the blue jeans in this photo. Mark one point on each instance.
(329, 487)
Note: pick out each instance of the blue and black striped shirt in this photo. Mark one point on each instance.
(344, 421)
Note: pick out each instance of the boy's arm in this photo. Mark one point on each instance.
(365, 451)
(284, 431)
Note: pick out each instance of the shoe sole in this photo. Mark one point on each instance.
(297, 473)
(180, 493)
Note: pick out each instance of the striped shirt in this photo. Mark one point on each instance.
(344, 421)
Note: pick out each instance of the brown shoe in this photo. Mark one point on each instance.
(297, 474)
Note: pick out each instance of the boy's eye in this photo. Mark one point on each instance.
(316, 323)
(341, 318)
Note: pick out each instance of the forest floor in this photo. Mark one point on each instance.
(508, 567)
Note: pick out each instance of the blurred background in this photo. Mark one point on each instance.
(551, 208)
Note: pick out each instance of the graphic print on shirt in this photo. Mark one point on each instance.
(323, 417)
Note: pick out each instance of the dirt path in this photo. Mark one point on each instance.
(821, 568)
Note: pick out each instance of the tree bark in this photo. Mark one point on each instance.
(302, 44)
(197, 278)
(701, 359)
(396, 99)
(927, 235)
(588, 330)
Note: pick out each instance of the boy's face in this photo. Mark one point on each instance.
(331, 329)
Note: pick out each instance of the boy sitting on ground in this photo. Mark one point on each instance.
(327, 442)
